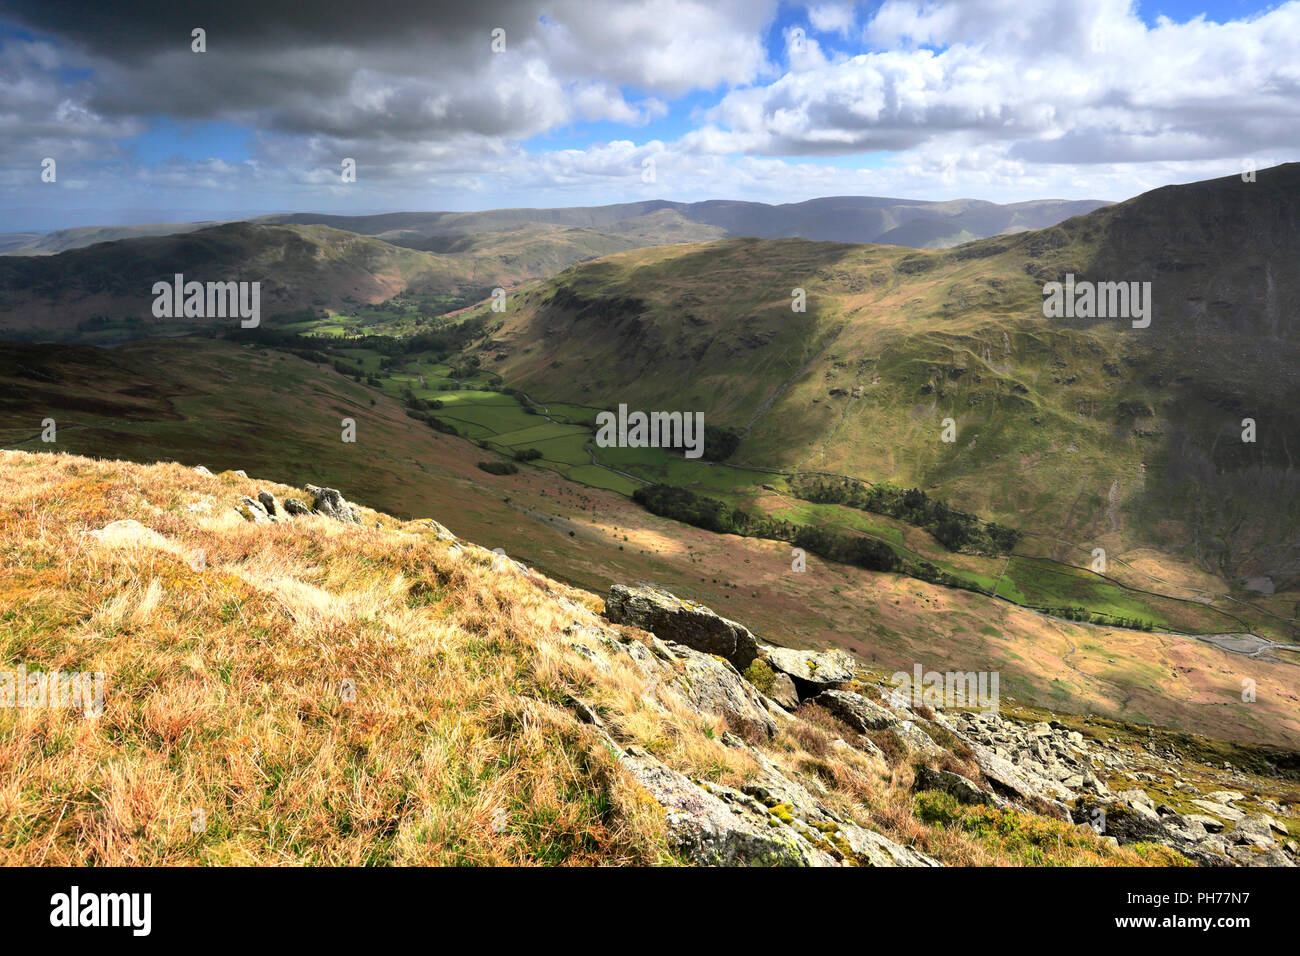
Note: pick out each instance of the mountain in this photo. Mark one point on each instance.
(108, 286)
(61, 240)
(839, 218)
(95, 283)
(10, 241)
(844, 219)
(261, 649)
(1082, 431)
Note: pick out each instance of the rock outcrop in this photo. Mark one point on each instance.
(265, 508)
(1053, 768)
(670, 618)
(773, 819)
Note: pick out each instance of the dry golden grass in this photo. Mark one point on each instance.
(321, 693)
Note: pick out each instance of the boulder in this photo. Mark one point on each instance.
(1019, 783)
(670, 618)
(813, 671)
(296, 506)
(714, 685)
(856, 711)
(1139, 801)
(1225, 796)
(1254, 830)
(329, 502)
(251, 510)
(1125, 822)
(1220, 810)
(917, 740)
(1210, 824)
(269, 503)
(873, 849)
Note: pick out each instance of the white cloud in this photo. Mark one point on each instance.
(832, 17)
(1028, 77)
(988, 98)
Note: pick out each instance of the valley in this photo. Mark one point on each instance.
(828, 375)
(227, 405)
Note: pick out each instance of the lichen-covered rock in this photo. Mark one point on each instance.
(813, 671)
(711, 831)
(251, 510)
(784, 691)
(670, 618)
(1220, 810)
(714, 685)
(296, 506)
(1020, 783)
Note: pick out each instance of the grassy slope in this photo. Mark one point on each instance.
(232, 407)
(335, 694)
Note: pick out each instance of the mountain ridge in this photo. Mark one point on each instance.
(806, 219)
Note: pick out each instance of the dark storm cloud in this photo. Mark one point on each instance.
(130, 30)
(412, 71)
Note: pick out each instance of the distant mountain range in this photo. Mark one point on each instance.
(899, 222)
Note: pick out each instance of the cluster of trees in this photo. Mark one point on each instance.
(499, 467)
(443, 341)
(432, 421)
(418, 404)
(684, 505)
(955, 530)
(357, 372)
(422, 409)
(720, 443)
(304, 346)
(1076, 613)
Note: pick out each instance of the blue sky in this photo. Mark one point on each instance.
(716, 99)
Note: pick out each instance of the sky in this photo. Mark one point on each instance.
(490, 104)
